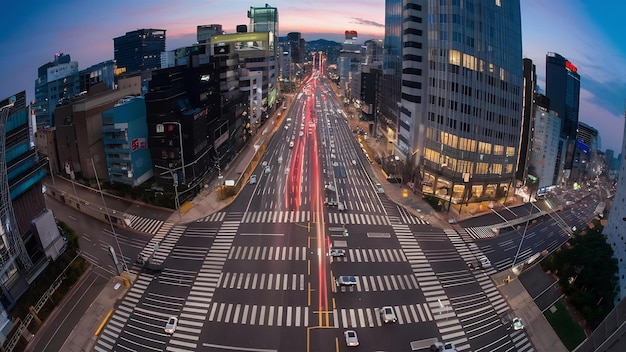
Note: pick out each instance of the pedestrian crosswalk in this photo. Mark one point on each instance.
(481, 232)
(252, 314)
(199, 300)
(378, 283)
(444, 315)
(300, 216)
(267, 253)
(215, 217)
(147, 225)
(283, 216)
(356, 219)
(408, 218)
(368, 255)
(371, 317)
(263, 281)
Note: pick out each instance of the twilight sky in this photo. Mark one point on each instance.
(589, 34)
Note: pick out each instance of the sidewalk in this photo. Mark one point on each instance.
(83, 337)
(537, 328)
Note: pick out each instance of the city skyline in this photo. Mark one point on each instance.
(591, 42)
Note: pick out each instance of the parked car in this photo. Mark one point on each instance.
(389, 316)
(337, 252)
(252, 179)
(351, 338)
(346, 281)
(171, 325)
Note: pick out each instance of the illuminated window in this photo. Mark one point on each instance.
(469, 61)
(498, 149)
(509, 168)
(484, 148)
(454, 57)
(482, 168)
(498, 2)
(496, 169)
(510, 151)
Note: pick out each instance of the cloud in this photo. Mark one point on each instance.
(365, 22)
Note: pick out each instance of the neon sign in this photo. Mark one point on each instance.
(570, 66)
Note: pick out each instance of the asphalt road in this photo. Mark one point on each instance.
(546, 233)
(257, 277)
(65, 317)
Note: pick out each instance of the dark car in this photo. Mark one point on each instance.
(153, 267)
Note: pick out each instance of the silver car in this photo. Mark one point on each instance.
(171, 325)
(351, 338)
(389, 316)
(337, 252)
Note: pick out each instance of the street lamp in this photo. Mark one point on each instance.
(119, 248)
(175, 183)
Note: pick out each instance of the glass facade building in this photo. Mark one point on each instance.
(392, 66)
(22, 200)
(139, 50)
(460, 115)
(563, 90)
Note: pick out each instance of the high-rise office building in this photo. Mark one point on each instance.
(614, 229)
(542, 154)
(528, 111)
(265, 19)
(56, 80)
(563, 90)
(349, 62)
(139, 50)
(392, 68)
(460, 115)
(29, 234)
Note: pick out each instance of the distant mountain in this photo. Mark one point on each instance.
(322, 42)
(331, 48)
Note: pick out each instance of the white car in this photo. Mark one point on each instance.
(352, 339)
(379, 188)
(267, 169)
(301, 134)
(484, 262)
(252, 179)
(517, 324)
(337, 252)
(346, 281)
(389, 316)
(290, 144)
(171, 325)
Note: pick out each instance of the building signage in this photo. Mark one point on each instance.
(570, 66)
(138, 143)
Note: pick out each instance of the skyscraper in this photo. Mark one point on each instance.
(460, 114)
(24, 250)
(528, 110)
(392, 65)
(563, 90)
(139, 50)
